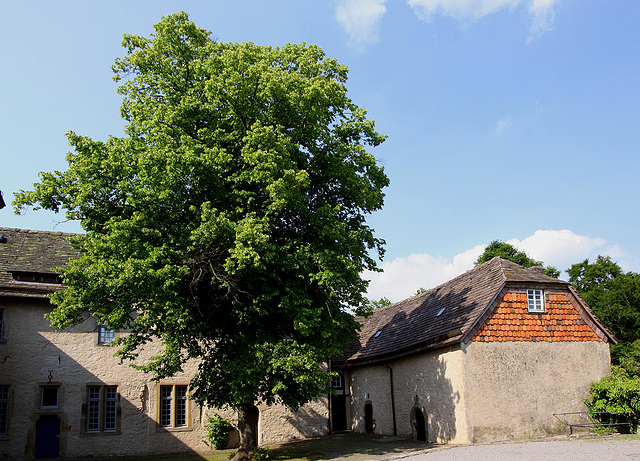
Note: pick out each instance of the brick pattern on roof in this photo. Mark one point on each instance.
(511, 321)
(31, 251)
(414, 322)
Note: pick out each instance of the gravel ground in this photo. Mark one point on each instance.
(610, 449)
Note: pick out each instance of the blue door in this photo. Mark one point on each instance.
(48, 436)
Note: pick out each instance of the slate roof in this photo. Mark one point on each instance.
(34, 251)
(413, 325)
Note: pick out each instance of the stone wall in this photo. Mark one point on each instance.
(431, 383)
(513, 388)
(72, 359)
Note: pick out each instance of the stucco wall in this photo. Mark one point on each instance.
(74, 360)
(432, 382)
(512, 389)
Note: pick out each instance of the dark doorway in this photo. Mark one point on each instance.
(48, 436)
(254, 417)
(368, 418)
(421, 427)
(338, 413)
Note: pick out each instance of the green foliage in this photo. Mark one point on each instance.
(229, 223)
(613, 295)
(509, 252)
(262, 454)
(419, 291)
(618, 394)
(217, 431)
(627, 356)
(375, 304)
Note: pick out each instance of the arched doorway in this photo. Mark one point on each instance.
(421, 426)
(48, 436)
(368, 418)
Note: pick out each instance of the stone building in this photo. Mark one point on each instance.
(63, 394)
(489, 355)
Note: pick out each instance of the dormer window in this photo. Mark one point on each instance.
(535, 301)
(37, 277)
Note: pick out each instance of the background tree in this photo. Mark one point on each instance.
(228, 225)
(511, 253)
(614, 296)
(373, 304)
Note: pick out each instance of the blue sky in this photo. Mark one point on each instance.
(515, 120)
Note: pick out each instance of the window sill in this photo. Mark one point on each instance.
(174, 429)
(101, 434)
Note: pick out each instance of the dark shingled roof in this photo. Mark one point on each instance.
(31, 251)
(413, 325)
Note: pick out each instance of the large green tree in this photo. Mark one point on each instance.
(511, 253)
(228, 224)
(614, 296)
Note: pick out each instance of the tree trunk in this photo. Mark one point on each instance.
(247, 429)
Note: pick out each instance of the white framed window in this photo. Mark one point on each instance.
(336, 381)
(535, 300)
(105, 335)
(4, 410)
(102, 408)
(173, 405)
(49, 397)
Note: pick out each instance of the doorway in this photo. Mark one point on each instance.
(421, 426)
(338, 413)
(48, 436)
(254, 417)
(368, 418)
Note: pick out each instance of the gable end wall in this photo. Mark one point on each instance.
(520, 368)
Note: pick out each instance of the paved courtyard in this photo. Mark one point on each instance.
(588, 449)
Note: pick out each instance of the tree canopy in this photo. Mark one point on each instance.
(228, 224)
(614, 296)
(511, 253)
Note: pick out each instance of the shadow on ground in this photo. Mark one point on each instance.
(345, 446)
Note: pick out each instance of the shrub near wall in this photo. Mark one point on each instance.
(619, 395)
(218, 430)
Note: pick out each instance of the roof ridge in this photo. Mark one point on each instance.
(36, 231)
(448, 282)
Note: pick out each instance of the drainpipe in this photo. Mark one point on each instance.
(393, 402)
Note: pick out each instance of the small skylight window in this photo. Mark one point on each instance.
(377, 333)
(440, 312)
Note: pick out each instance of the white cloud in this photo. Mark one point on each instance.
(560, 248)
(542, 11)
(361, 19)
(543, 14)
(503, 124)
(403, 276)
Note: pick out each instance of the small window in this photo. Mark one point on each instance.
(535, 300)
(377, 333)
(4, 410)
(49, 397)
(102, 408)
(336, 381)
(105, 336)
(174, 405)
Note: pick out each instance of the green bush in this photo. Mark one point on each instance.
(217, 431)
(261, 454)
(619, 395)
